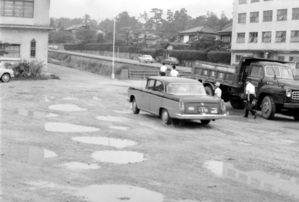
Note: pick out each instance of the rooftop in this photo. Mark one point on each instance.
(202, 29)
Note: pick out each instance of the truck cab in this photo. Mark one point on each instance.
(276, 89)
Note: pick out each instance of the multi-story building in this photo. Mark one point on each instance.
(24, 25)
(266, 28)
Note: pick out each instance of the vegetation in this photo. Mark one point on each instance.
(28, 69)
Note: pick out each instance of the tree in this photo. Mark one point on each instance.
(86, 19)
(126, 33)
(85, 35)
(60, 37)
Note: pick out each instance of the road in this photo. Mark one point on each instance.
(76, 139)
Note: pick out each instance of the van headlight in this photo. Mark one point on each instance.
(288, 92)
(182, 105)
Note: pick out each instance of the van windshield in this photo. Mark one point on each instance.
(185, 89)
(279, 72)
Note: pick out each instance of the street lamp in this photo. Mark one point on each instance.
(112, 74)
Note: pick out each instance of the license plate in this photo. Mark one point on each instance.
(203, 109)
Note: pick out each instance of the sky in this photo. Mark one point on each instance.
(102, 9)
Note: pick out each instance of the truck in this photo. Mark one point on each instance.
(277, 90)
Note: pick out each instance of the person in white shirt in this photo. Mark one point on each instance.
(174, 72)
(218, 91)
(163, 70)
(250, 95)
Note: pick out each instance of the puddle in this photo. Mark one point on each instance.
(51, 115)
(70, 98)
(244, 144)
(66, 107)
(123, 112)
(282, 184)
(26, 152)
(80, 166)
(112, 118)
(96, 98)
(91, 104)
(118, 127)
(117, 193)
(68, 128)
(112, 142)
(33, 114)
(283, 142)
(119, 157)
(24, 93)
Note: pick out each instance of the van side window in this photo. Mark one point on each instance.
(150, 84)
(257, 71)
(159, 86)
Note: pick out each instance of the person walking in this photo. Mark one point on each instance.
(218, 91)
(174, 72)
(250, 95)
(163, 70)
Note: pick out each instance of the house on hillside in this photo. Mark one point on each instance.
(192, 34)
(25, 25)
(225, 35)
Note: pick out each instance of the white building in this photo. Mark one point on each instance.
(24, 24)
(266, 28)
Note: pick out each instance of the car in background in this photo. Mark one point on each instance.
(146, 59)
(176, 98)
(53, 47)
(171, 61)
(5, 73)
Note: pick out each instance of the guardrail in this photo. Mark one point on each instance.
(143, 74)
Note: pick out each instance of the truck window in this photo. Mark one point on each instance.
(159, 86)
(150, 84)
(272, 70)
(257, 71)
(286, 73)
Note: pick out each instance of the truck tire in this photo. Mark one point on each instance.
(237, 103)
(209, 90)
(135, 108)
(205, 122)
(296, 115)
(268, 108)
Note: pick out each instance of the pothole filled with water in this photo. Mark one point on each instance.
(112, 142)
(116, 193)
(118, 157)
(272, 182)
(66, 107)
(118, 128)
(51, 115)
(80, 166)
(96, 98)
(283, 142)
(112, 118)
(26, 152)
(33, 114)
(123, 112)
(68, 128)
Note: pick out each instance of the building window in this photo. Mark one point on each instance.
(238, 58)
(254, 17)
(225, 39)
(295, 36)
(294, 59)
(295, 13)
(17, 8)
(253, 1)
(253, 37)
(280, 37)
(242, 18)
(240, 37)
(281, 58)
(33, 48)
(282, 14)
(12, 51)
(267, 16)
(242, 1)
(267, 37)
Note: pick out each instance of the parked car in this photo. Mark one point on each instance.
(54, 47)
(146, 58)
(5, 73)
(171, 61)
(176, 98)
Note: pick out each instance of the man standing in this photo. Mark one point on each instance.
(174, 72)
(163, 69)
(250, 95)
(218, 91)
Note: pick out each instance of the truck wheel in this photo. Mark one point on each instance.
(135, 108)
(5, 78)
(296, 115)
(165, 117)
(268, 107)
(205, 122)
(237, 103)
(209, 90)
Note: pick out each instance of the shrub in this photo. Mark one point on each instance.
(188, 55)
(219, 57)
(28, 69)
